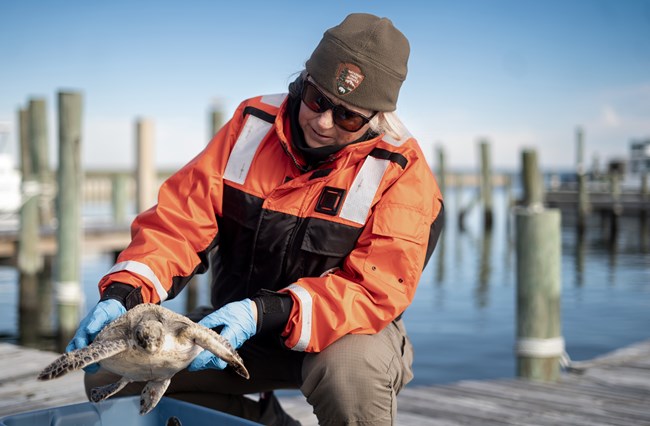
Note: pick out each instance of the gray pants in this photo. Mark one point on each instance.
(354, 380)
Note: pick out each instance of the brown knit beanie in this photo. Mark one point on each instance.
(362, 61)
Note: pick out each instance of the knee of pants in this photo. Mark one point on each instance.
(354, 379)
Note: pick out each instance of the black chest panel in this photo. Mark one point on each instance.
(260, 248)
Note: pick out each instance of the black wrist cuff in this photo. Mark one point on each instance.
(127, 295)
(273, 310)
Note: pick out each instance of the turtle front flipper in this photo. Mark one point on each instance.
(218, 345)
(100, 393)
(151, 394)
(81, 358)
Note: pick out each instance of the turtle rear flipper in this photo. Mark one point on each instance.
(100, 393)
(81, 358)
(218, 345)
(151, 394)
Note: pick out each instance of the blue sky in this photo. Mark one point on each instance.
(520, 73)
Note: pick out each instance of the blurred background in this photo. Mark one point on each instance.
(521, 73)
(515, 74)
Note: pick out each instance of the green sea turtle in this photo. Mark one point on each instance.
(147, 344)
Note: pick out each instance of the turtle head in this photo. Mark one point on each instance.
(149, 335)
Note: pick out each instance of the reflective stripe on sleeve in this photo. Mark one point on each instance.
(357, 204)
(242, 154)
(142, 270)
(306, 313)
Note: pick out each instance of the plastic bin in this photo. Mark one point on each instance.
(124, 411)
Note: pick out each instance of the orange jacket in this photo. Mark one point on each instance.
(348, 240)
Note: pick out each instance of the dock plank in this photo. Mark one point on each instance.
(97, 238)
(20, 391)
(612, 390)
(573, 408)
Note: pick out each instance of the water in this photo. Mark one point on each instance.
(462, 321)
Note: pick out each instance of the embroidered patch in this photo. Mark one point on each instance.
(348, 78)
(330, 201)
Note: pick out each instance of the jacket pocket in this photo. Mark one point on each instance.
(400, 221)
(323, 246)
(398, 247)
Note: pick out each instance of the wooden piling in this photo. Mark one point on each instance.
(510, 199)
(509, 206)
(145, 168)
(41, 187)
(617, 208)
(29, 260)
(69, 293)
(538, 247)
(580, 254)
(485, 270)
(441, 173)
(465, 210)
(119, 197)
(440, 267)
(216, 121)
(458, 201)
(643, 215)
(25, 161)
(45, 296)
(486, 184)
(539, 339)
(41, 157)
(583, 194)
(532, 180)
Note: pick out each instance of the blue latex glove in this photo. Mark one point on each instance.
(239, 324)
(99, 316)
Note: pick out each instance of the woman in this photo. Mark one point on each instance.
(318, 213)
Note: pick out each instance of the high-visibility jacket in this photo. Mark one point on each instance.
(347, 240)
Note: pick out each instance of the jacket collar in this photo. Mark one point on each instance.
(353, 152)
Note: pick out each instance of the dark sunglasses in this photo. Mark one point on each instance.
(316, 101)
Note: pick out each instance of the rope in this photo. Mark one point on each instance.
(618, 357)
(554, 347)
(68, 292)
(540, 348)
(543, 348)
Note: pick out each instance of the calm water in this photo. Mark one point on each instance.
(462, 321)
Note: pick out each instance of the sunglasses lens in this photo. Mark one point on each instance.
(347, 119)
(343, 117)
(314, 100)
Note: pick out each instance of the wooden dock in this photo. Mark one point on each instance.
(627, 203)
(609, 390)
(98, 237)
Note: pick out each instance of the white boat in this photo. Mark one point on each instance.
(638, 167)
(10, 178)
